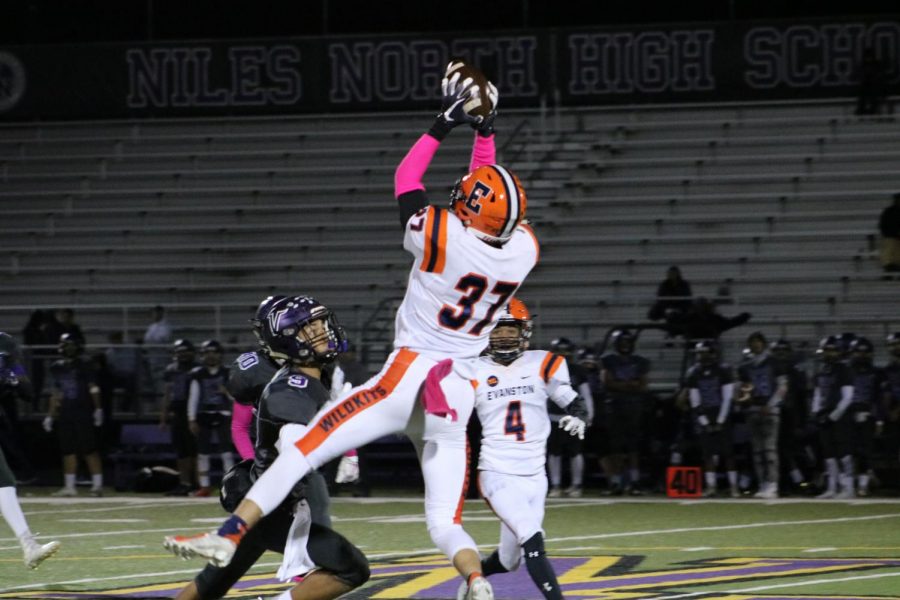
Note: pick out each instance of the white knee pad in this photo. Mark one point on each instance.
(451, 538)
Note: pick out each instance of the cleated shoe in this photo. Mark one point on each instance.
(216, 549)
(36, 553)
(480, 589)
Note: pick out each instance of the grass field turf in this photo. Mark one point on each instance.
(640, 548)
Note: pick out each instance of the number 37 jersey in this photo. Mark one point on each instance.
(458, 284)
(511, 402)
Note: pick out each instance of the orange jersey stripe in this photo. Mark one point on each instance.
(457, 517)
(429, 243)
(441, 241)
(549, 366)
(357, 403)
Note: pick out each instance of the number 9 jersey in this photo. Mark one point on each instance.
(458, 284)
(511, 402)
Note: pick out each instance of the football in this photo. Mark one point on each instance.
(480, 104)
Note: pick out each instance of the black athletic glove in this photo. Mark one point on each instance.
(455, 94)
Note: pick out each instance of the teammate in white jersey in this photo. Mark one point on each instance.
(468, 262)
(514, 384)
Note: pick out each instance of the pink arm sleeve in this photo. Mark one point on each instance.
(483, 152)
(241, 417)
(411, 169)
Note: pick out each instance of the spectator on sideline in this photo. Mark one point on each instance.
(159, 333)
(65, 323)
(178, 376)
(832, 396)
(37, 332)
(624, 377)
(124, 364)
(209, 412)
(710, 385)
(763, 387)
(673, 296)
(867, 409)
(560, 443)
(794, 434)
(75, 411)
(889, 225)
(703, 322)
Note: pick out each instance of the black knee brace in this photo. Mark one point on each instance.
(539, 567)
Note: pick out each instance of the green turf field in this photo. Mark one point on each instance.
(641, 548)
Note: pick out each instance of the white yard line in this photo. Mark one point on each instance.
(776, 586)
(194, 570)
(724, 527)
(103, 520)
(128, 546)
(828, 549)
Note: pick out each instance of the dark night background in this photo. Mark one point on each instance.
(47, 21)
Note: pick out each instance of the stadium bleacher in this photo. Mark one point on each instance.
(206, 216)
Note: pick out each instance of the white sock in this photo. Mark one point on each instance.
(847, 466)
(710, 479)
(554, 463)
(70, 481)
(732, 478)
(97, 481)
(635, 476)
(12, 512)
(227, 462)
(831, 465)
(864, 482)
(576, 463)
(203, 469)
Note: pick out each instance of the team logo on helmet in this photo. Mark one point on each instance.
(491, 201)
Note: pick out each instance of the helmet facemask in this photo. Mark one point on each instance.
(509, 339)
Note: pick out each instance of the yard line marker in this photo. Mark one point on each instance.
(826, 549)
(697, 549)
(127, 546)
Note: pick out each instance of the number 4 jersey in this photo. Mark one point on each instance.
(458, 284)
(511, 402)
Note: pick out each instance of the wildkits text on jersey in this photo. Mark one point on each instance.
(358, 401)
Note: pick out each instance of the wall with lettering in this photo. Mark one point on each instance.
(575, 67)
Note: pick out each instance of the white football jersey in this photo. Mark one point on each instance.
(458, 284)
(512, 405)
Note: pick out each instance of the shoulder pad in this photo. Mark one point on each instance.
(284, 400)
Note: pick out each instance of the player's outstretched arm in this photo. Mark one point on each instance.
(484, 152)
(408, 187)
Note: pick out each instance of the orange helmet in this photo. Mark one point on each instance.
(505, 349)
(491, 201)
